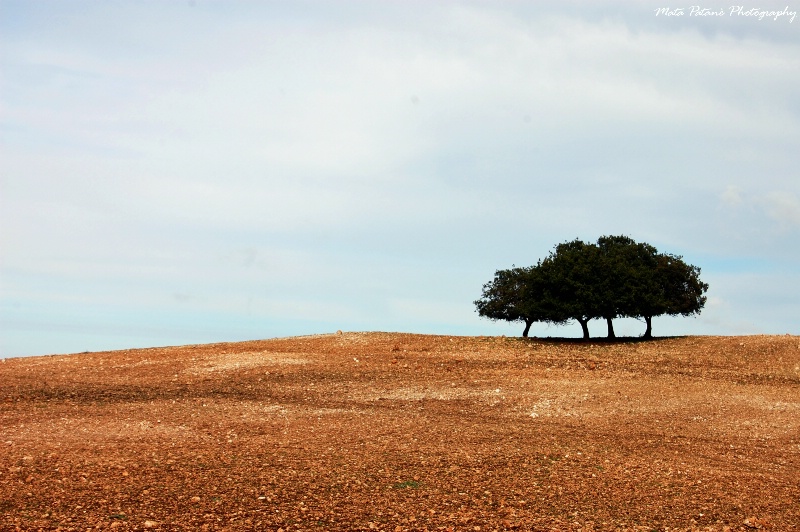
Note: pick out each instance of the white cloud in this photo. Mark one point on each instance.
(783, 207)
(732, 196)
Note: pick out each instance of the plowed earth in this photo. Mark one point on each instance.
(377, 431)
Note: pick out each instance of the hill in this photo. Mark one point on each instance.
(380, 431)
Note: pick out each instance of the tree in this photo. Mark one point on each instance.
(519, 294)
(616, 277)
(573, 271)
(626, 279)
(504, 298)
(677, 290)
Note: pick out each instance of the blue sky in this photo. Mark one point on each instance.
(191, 172)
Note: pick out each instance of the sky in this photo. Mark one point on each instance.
(184, 172)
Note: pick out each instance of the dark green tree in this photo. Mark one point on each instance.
(675, 289)
(519, 294)
(626, 277)
(573, 271)
(616, 277)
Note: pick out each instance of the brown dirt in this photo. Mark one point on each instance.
(377, 431)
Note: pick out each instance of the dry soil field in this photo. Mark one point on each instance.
(377, 431)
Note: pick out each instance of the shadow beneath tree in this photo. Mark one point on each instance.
(597, 339)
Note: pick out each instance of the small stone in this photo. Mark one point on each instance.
(752, 522)
(150, 524)
(195, 499)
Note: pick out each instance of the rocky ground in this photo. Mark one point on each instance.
(393, 432)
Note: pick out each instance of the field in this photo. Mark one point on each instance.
(393, 432)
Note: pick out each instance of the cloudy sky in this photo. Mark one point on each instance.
(178, 172)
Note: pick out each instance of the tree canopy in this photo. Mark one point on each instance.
(615, 277)
(521, 294)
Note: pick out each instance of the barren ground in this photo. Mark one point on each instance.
(377, 431)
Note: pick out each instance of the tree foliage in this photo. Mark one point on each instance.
(615, 277)
(520, 294)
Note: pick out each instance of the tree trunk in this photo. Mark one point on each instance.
(648, 333)
(585, 327)
(528, 324)
(610, 328)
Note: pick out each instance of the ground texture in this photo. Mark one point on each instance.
(378, 431)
